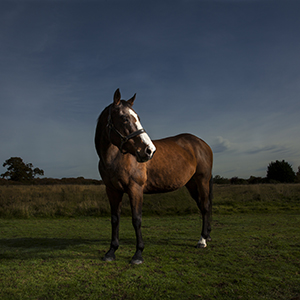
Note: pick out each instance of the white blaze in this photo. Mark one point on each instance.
(144, 136)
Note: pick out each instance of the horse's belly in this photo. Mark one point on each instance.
(167, 180)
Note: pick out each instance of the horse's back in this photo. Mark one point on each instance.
(189, 144)
(176, 161)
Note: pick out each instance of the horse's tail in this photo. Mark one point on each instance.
(210, 195)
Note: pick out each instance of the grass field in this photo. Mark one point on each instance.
(255, 252)
(90, 200)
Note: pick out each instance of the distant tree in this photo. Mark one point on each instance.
(255, 180)
(17, 170)
(281, 171)
(298, 175)
(236, 180)
(220, 180)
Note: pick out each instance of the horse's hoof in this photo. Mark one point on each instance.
(201, 243)
(136, 261)
(109, 256)
(137, 258)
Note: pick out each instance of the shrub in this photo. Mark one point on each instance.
(280, 171)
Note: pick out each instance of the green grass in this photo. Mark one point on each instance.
(252, 256)
(51, 245)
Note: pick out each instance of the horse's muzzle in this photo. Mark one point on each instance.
(147, 154)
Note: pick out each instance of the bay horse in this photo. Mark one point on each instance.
(131, 163)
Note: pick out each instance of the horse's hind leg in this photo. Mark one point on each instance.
(115, 200)
(201, 192)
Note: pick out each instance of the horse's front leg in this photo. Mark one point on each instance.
(136, 201)
(115, 200)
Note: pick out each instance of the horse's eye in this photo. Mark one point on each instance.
(125, 120)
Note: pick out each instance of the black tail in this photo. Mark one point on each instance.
(210, 195)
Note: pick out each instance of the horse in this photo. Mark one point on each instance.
(130, 162)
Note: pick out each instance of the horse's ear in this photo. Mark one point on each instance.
(117, 97)
(131, 100)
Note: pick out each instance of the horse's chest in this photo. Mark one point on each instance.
(121, 176)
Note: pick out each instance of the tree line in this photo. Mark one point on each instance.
(19, 172)
(277, 172)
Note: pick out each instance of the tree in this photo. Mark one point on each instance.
(220, 180)
(298, 175)
(281, 171)
(17, 170)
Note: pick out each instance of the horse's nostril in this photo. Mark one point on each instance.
(148, 151)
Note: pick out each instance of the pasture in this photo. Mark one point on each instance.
(51, 247)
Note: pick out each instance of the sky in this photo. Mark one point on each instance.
(227, 71)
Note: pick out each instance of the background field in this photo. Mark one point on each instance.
(90, 200)
(51, 246)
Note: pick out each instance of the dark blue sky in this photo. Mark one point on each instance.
(226, 71)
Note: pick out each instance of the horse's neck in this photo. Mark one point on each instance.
(108, 151)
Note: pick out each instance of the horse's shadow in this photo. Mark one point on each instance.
(28, 248)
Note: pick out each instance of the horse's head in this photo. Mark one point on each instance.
(125, 130)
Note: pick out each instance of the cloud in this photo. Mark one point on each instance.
(268, 148)
(221, 145)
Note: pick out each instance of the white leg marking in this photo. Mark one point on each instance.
(202, 243)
